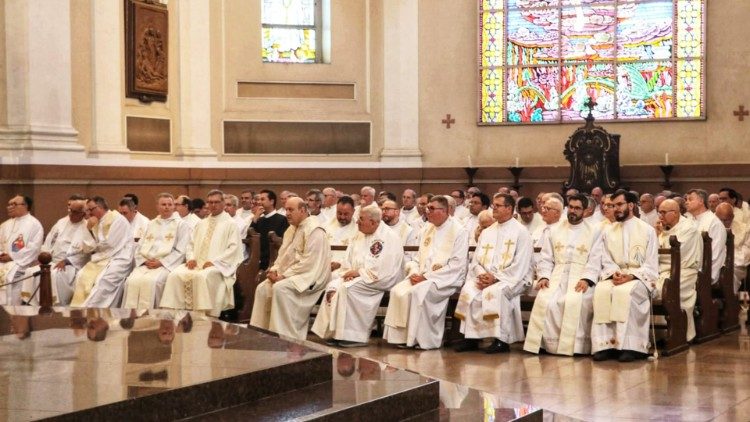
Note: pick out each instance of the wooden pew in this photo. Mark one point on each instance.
(706, 310)
(723, 291)
(247, 274)
(669, 306)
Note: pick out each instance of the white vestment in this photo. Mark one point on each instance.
(416, 313)
(21, 238)
(415, 220)
(341, 236)
(164, 240)
(461, 213)
(99, 283)
(378, 258)
(650, 218)
(691, 255)
(327, 214)
(470, 224)
(138, 225)
(561, 318)
(242, 225)
(741, 251)
(215, 240)
(304, 262)
(407, 215)
(192, 220)
(708, 222)
(63, 243)
(409, 237)
(503, 250)
(622, 313)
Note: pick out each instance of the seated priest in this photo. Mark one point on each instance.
(160, 250)
(372, 266)
(63, 243)
(417, 306)
(489, 305)
(341, 230)
(691, 253)
(697, 207)
(393, 219)
(109, 240)
(725, 213)
(296, 280)
(567, 268)
(205, 282)
(21, 238)
(630, 268)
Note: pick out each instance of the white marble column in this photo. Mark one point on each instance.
(401, 82)
(38, 79)
(108, 62)
(194, 46)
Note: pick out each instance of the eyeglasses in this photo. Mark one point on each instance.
(550, 209)
(384, 209)
(496, 206)
(609, 205)
(431, 208)
(15, 204)
(214, 202)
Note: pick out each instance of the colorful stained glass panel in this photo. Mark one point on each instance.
(492, 39)
(586, 2)
(532, 94)
(289, 45)
(644, 90)
(689, 88)
(532, 36)
(580, 82)
(492, 4)
(588, 33)
(645, 31)
(492, 95)
(689, 28)
(528, 4)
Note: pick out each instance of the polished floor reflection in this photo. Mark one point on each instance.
(710, 381)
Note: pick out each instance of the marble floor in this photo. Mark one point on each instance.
(710, 381)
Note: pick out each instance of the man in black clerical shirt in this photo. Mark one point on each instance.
(267, 222)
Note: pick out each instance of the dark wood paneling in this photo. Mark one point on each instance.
(296, 138)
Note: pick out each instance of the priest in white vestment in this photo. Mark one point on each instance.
(392, 218)
(630, 268)
(341, 230)
(478, 203)
(567, 269)
(489, 305)
(697, 206)
(21, 238)
(284, 300)
(419, 218)
(328, 209)
(551, 214)
(109, 240)
(672, 223)
(418, 304)
(205, 282)
(408, 205)
(160, 251)
(373, 265)
(648, 210)
(63, 244)
(725, 213)
(526, 215)
(138, 222)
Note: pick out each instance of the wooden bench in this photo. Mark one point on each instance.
(723, 291)
(247, 274)
(675, 340)
(706, 312)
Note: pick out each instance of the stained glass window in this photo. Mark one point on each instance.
(540, 60)
(291, 31)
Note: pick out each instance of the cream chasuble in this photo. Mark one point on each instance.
(304, 262)
(99, 283)
(215, 240)
(165, 240)
(416, 313)
(622, 313)
(339, 235)
(378, 258)
(505, 251)
(21, 238)
(741, 252)
(560, 320)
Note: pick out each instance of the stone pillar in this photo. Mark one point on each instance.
(108, 61)
(194, 57)
(401, 82)
(38, 79)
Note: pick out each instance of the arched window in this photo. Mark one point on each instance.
(540, 60)
(293, 31)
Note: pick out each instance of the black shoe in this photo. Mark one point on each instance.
(630, 355)
(603, 355)
(331, 342)
(467, 345)
(402, 346)
(497, 346)
(351, 344)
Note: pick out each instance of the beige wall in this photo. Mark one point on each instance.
(448, 84)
